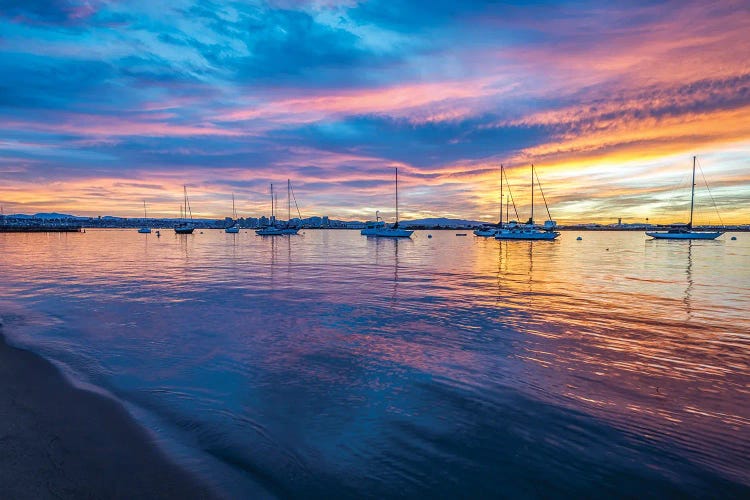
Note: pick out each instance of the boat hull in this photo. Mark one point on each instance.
(184, 230)
(144, 230)
(232, 230)
(269, 232)
(486, 232)
(392, 233)
(527, 235)
(692, 235)
(277, 231)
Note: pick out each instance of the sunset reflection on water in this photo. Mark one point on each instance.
(383, 364)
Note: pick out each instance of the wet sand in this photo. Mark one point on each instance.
(57, 441)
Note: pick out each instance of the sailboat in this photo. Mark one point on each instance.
(485, 231)
(529, 230)
(234, 228)
(288, 228)
(491, 229)
(144, 229)
(685, 231)
(185, 227)
(270, 229)
(372, 226)
(273, 229)
(393, 231)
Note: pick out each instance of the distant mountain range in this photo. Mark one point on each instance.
(51, 215)
(55, 215)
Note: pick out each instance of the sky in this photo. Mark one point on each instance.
(105, 104)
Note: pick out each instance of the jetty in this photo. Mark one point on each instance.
(11, 225)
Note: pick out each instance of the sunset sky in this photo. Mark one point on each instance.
(105, 103)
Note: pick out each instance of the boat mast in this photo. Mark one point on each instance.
(187, 203)
(544, 198)
(144, 210)
(531, 221)
(272, 202)
(288, 201)
(396, 197)
(692, 197)
(510, 195)
(501, 195)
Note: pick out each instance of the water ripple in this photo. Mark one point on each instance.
(442, 367)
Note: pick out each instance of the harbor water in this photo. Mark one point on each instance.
(331, 363)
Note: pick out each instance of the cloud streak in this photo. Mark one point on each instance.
(106, 103)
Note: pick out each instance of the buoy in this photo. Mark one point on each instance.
(429, 236)
(608, 249)
(201, 232)
(579, 238)
(734, 238)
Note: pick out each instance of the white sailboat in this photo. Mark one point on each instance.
(490, 230)
(393, 231)
(372, 226)
(185, 227)
(486, 231)
(685, 231)
(529, 230)
(273, 229)
(270, 229)
(234, 228)
(144, 229)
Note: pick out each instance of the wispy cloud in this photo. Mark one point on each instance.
(105, 103)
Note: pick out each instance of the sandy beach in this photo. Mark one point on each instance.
(57, 441)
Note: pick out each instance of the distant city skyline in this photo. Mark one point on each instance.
(104, 105)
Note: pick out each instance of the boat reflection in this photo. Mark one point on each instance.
(389, 247)
(689, 276)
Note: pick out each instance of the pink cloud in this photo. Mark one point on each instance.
(425, 101)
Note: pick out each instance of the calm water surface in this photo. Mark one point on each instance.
(451, 366)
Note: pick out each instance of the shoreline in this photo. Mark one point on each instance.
(59, 441)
